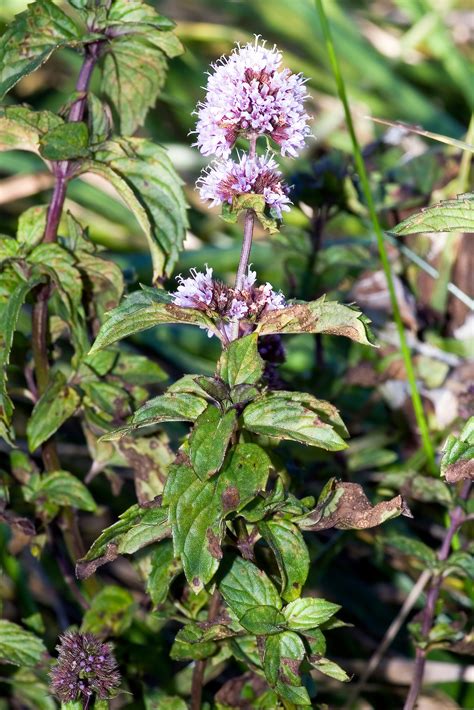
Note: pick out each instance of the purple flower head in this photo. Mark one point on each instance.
(226, 179)
(247, 94)
(224, 304)
(85, 668)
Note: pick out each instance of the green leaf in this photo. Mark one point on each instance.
(142, 310)
(31, 226)
(9, 313)
(144, 176)
(164, 568)
(198, 508)
(19, 647)
(66, 142)
(256, 203)
(138, 369)
(345, 506)
(105, 281)
(152, 527)
(98, 119)
(263, 620)
(134, 67)
(414, 548)
(21, 128)
(188, 646)
(463, 561)
(447, 216)
(319, 316)
(308, 613)
(291, 554)
(457, 463)
(210, 439)
(300, 417)
(111, 612)
(245, 586)
(168, 407)
(105, 548)
(241, 363)
(31, 39)
(331, 669)
(31, 691)
(283, 655)
(62, 488)
(55, 406)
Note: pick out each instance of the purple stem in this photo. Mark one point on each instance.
(457, 518)
(248, 230)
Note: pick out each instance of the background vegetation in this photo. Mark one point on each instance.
(406, 60)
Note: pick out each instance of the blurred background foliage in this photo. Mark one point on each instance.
(402, 60)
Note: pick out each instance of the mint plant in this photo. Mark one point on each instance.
(216, 532)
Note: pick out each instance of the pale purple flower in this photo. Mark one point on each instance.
(247, 94)
(196, 289)
(224, 304)
(226, 179)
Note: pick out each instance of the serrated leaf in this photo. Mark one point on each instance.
(153, 526)
(245, 586)
(164, 568)
(111, 612)
(296, 416)
(149, 458)
(210, 439)
(104, 279)
(263, 620)
(282, 657)
(463, 561)
(31, 226)
(55, 406)
(291, 554)
(198, 508)
(447, 216)
(31, 691)
(105, 548)
(19, 647)
(188, 645)
(345, 506)
(331, 669)
(21, 128)
(241, 363)
(62, 488)
(134, 68)
(414, 548)
(142, 310)
(98, 119)
(144, 176)
(168, 407)
(31, 39)
(71, 140)
(9, 313)
(308, 613)
(457, 463)
(321, 316)
(138, 369)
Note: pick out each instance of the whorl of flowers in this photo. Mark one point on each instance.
(247, 94)
(85, 668)
(226, 179)
(248, 304)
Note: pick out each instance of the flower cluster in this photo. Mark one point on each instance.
(225, 180)
(248, 94)
(86, 667)
(206, 294)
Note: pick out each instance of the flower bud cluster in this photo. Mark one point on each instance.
(86, 667)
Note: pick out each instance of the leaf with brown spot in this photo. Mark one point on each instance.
(198, 508)
(345, 506)
(149, 458)
(319, 316)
